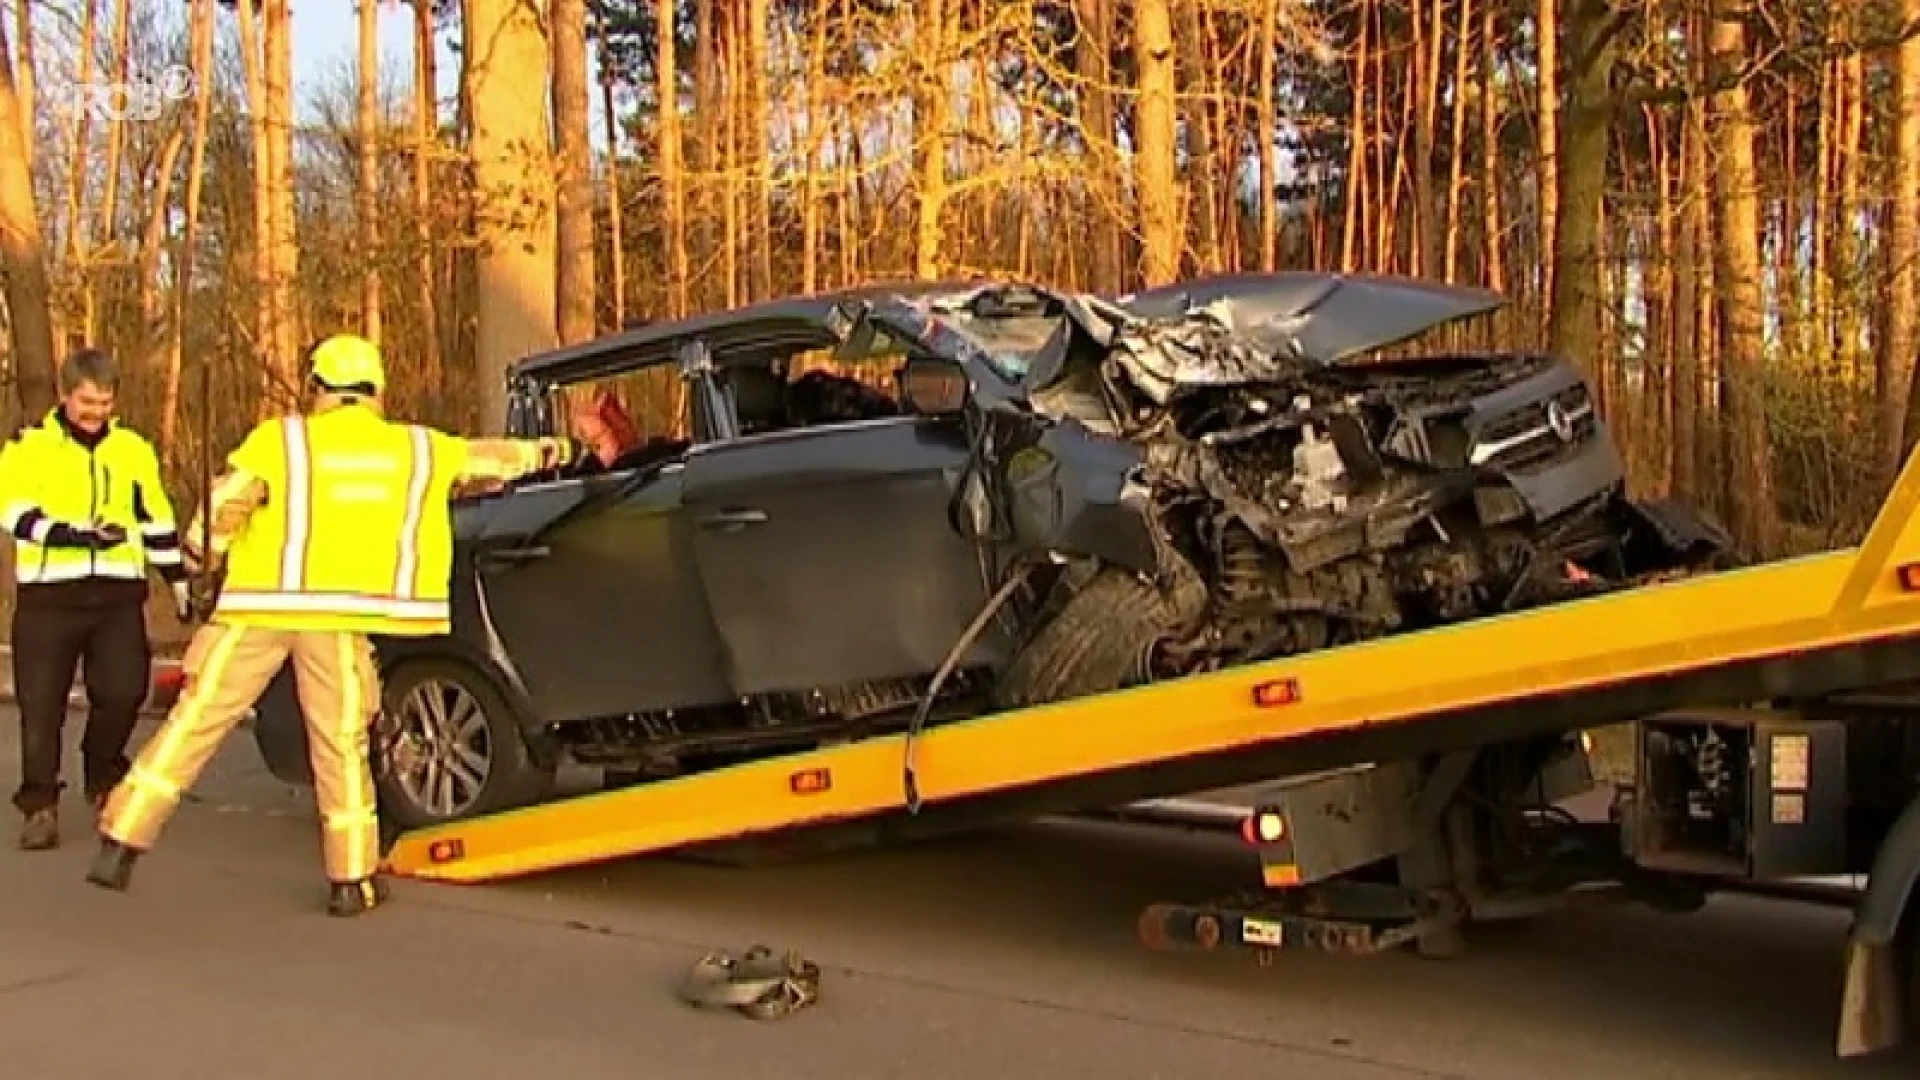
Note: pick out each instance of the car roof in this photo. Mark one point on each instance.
(785, 324)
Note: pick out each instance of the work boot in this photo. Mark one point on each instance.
(112, 865)
(41, 830)
(356, 897)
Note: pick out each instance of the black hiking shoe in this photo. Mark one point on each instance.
(356, 897)
(112, 865)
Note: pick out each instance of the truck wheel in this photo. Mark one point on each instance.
(449, 746)
(1101, 639)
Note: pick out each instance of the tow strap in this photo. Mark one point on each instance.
(757, 983)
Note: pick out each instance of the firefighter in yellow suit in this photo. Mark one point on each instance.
(332, 526)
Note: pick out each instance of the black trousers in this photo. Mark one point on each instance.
(49, 641)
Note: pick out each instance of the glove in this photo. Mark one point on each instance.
(183, 601)
(556, 453)
(96, 537)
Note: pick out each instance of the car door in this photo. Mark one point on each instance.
(828, 556)
(592, 590)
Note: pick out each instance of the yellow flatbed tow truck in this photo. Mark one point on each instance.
(1774, 741)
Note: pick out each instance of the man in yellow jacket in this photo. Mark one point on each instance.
(81, 495)
(332, 526)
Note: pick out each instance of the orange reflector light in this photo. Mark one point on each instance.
(1268, 695)
(445, 851)
(1910, 577)
(810, 782)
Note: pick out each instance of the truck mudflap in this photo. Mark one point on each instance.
(1875, 1005)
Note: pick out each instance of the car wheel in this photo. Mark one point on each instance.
(1101, 639)
(449, 746)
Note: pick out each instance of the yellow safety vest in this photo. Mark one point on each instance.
(355, 533)
(48, 479)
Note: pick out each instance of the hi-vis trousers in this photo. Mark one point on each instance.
(227, 669)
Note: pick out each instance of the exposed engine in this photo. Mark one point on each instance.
(1323, 503)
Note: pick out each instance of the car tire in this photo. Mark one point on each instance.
(1101, 639)
(513, 777)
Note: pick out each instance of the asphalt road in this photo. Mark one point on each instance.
(1008, 955)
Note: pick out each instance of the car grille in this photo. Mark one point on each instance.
(1536, 432)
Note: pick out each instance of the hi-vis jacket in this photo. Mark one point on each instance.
(337, 520)
(56, 479)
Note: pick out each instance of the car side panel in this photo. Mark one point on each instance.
(853, 571)
(612, 620)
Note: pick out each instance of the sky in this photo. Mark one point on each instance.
(326, 48)
(326, 43)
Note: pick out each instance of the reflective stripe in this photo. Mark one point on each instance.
(35, 571)
(332, 603)
(164, 557)
(156, 530)
(147, 801)
(419, 483)
(359, 817)
(299, 506)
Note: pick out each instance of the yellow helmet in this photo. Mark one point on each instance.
(345, 360)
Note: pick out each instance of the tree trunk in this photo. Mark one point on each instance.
(153, 334)
(366, 174)
(1154, 128)
(1547, 167)
(200, 36)
(260, 265)
(25, 80)
(759, 151)
(931, 119)
(1092, 61)
(616, 211)
(1490, 124)
(667, 70)
(1575, 312)
(576, 282)
(285, 360)
(1684, 421)
(1902, 346)
(1268, 136)
(29, 316)
(1355, 197)
(706, 136)
(1456, 159)
(426, 141)
(1202, 183)
(107, 224)
(818, 125)
(1749, 491)
(80, 147)
(513, 180)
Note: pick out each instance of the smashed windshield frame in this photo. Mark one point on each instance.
(912, 323)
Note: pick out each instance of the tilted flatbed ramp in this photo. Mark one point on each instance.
(1798, 628)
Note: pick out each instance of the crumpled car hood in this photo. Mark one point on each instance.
(1263, 326)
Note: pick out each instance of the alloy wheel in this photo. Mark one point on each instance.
(441, 751)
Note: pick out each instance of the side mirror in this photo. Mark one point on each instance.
(934, 387)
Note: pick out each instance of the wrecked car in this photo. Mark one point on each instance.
(1065, 494)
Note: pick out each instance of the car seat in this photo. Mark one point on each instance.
(759, 398)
